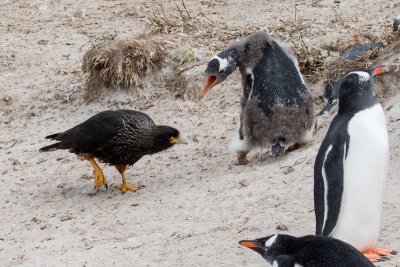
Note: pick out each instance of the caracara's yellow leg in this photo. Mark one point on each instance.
(100, 179)
(125, 186)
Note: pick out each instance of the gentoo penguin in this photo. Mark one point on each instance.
(307, 251)
(277, 107)
(350, 168)
(331, 92)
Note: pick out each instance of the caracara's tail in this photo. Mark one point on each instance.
(50, 147)
(52, 136)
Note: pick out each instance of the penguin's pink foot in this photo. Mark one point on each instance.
(241, 158)
(374, 254)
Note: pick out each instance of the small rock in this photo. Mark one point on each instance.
(45, 226)
(42, 42)
(7, 99)
(288, 170)
(16, 162)
(66, 217)
(235, 120)
(243, 183)
(282, 227)
(36, 220)
(173, 157)
(47, 239)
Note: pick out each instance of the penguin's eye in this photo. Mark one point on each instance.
(221, 71)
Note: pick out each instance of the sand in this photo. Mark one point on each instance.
(197, 204)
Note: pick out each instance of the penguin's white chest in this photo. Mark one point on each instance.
(364, 178)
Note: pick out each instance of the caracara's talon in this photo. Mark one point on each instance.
(128, 187)
(394, 252)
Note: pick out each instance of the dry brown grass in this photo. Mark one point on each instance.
(311, 60)
(179, 26)
(120, 63)
(197, 30)
(338, 68)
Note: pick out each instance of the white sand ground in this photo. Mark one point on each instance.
(197, 204)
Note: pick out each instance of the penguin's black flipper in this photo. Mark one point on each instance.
(284, 261)
(328, 179)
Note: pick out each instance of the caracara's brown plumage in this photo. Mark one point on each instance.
(119, 138)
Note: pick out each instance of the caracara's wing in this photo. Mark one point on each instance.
(94, 133)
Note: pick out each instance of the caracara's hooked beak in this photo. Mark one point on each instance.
(178, 140)
(377, 70)
(211, 81)
(182, 140)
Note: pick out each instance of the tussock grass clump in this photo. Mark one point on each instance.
(184, 81)
(120, 63)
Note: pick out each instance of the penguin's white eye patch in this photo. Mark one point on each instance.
(363, 76)
(270, 241)
(223, 63)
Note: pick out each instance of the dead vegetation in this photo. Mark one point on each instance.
(123, 64)
(195, 31)
(184, 81)
(120, 64)
(377, 56)
(311, 60)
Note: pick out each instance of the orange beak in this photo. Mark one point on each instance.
(377, 71)
(211, 81)
(247, 244)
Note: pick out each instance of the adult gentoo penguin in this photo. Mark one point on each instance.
(351, 165)
(277, 107)
(307, 251)
(119, 138)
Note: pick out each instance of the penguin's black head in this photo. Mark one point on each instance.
(269, 247)
(330, 96)
(358, 82)
(220, 67)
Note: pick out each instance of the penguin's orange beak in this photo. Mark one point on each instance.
(211, 81)
(377, 71)
(248, 244)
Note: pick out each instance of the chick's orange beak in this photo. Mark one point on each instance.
(248, 244)
(211, 81)
(377, 71)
